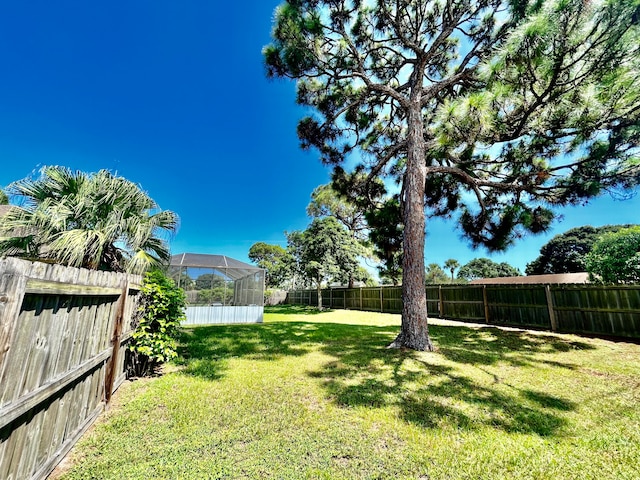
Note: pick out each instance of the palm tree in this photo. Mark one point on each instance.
(451, 265)
(95, 221)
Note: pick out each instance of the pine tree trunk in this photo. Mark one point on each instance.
(414, 333)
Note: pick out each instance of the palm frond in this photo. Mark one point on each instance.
(78, 248)
(87, 220)
(142, 261)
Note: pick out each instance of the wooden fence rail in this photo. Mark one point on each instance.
(567, 308)
(63, 338)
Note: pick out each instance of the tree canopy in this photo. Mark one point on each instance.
(490, 111)
(325, 251)
(435, 274)
(615, 257)
(274, 259)
(326, 201)
(386, 235)
(95, 221)
(486, 268)
(208, 281)
(565, 253)
(451, 264)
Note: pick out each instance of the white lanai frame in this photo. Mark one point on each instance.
(219, 289)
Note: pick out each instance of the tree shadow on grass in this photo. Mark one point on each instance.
(294, 310)
(432, 395)
(487, 345)
(203, 351)
(363, 372)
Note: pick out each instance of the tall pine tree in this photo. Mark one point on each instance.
(490, 110)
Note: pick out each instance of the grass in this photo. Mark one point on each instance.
(317, 395)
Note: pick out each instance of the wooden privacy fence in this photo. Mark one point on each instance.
(568, 308)
(63, 336)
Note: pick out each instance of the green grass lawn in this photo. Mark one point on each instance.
(317, 395)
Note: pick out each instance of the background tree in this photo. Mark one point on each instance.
(434, 274)
(451, 265)
(295, 246)
(381, 217)
(208, 281)
(4, 199)
(491, 109)
(486, 268)
(274, 259)
(360, 275)
(615, 257)
(95, 221)
(386, 235)
(181, 278)
(565, 253)
(327, 201)
(222, 295)
(326, 252)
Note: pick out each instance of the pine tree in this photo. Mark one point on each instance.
(490, 110)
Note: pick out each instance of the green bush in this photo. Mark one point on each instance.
(160, 312)
(615, 257)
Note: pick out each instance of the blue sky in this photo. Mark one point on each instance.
(173, 96)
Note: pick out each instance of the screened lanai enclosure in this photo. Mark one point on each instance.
(219, 289)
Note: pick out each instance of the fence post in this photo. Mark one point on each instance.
(381, 302)
(552, 314)
(360, 298)
(110, 375)
(486, 304)
(440, 302)
(13, 282)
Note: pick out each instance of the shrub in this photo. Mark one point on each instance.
(160, 311)
(615, 257)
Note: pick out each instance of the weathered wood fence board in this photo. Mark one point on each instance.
(63, 336)
(519, 305)
(591, 309)
(579, 308)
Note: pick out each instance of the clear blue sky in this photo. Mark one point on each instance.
(173, 96)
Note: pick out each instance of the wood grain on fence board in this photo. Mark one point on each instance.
(56, 333)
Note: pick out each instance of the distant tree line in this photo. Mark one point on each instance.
(344, 233)
(328, 252)
(610, 254)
